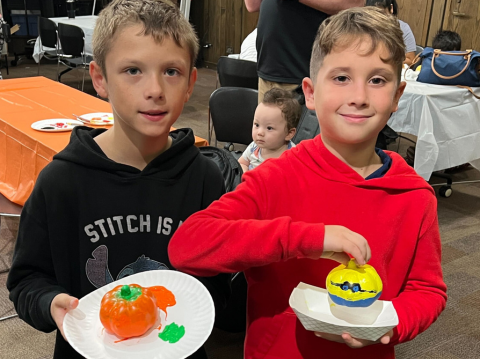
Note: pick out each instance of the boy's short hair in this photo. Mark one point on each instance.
(343, 29)
(288, 104)
(160, 18)
(447, 41)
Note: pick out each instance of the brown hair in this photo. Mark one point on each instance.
(349, 25)
(288, 104)
(160, 19)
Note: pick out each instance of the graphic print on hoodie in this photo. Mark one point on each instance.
(90, 220)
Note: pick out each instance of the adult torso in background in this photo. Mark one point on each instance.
(286, 31)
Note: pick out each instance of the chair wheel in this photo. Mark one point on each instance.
(229, 147)
(445, 191)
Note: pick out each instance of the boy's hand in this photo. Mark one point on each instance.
(340, 240)
(353, 342)
(60, 306)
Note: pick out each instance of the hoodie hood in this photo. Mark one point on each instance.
(319, 159)
(83, 150)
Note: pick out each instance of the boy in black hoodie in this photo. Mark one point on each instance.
(108, 204)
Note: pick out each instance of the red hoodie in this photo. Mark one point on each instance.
(272, 228)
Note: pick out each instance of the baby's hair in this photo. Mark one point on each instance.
(353, 26)
(384, 4)
(288, 104)
(447, 41)
(159, 18)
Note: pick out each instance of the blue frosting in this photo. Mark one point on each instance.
(354, 303)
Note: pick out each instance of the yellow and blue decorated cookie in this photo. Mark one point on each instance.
(354, 286)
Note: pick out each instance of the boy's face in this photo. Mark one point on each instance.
(354, 94)
(270, 128)
(148, 82)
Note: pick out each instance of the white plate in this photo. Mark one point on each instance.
(311, 306)
(194, 310)
(56, 125)
(99, 118)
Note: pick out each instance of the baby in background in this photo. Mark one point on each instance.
(274, 125)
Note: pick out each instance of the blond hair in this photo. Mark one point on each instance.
(160, 19)
(341, 30)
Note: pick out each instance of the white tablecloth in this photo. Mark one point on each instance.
(86, 23)
(446, 120)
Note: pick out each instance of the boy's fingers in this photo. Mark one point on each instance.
(340, 257)
(65, 301)
(363, 247)
(356, 251)
(73, 303)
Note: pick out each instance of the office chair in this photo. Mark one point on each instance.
(231, 110)
(47, 30)
(4, 39)
(237, 73)
(72, 41)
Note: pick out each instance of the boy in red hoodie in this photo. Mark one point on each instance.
(333, 195)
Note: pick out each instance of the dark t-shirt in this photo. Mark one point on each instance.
(286, 31)
(386, 164)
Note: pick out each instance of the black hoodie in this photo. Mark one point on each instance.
(90, 221)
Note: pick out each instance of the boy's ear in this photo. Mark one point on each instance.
(307, 87)
(290, 134)
(191, 83)
(99, 80)
(397, 96)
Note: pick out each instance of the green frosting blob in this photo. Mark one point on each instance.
(172, 333)
(129, 293)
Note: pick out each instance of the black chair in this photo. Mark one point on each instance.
(4, 39)
(416, 63)
(72, 41)
(237, 73)
(231, 110)
(418, 50)
(47, 31)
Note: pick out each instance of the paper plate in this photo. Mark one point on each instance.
(194, 310)
(56, 125)
(99, 118)
(311, 306)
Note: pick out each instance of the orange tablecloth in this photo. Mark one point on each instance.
(24, 152)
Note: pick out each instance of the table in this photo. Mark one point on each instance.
(446, 120)
(24, 152)
(86, 23)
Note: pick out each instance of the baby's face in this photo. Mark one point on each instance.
(354, 94)
(269, 127)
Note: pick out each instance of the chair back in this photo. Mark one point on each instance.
(47, 30)
(237, 73)
(72, 39)
(418, 50)
(232, 110)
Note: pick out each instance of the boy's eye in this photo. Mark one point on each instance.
(269, 128)
(377, 81)
(255, 124)
(171, 72)
(341, 78)
(133, 71)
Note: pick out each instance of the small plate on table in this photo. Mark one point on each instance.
(193, 310)
(56, 125)
(99, 118)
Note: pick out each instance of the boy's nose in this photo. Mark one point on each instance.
(154, 88)
(359, 96)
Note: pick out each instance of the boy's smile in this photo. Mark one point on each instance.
(354, 94)
(147, 82)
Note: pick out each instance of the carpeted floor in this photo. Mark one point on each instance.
(456, 335)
